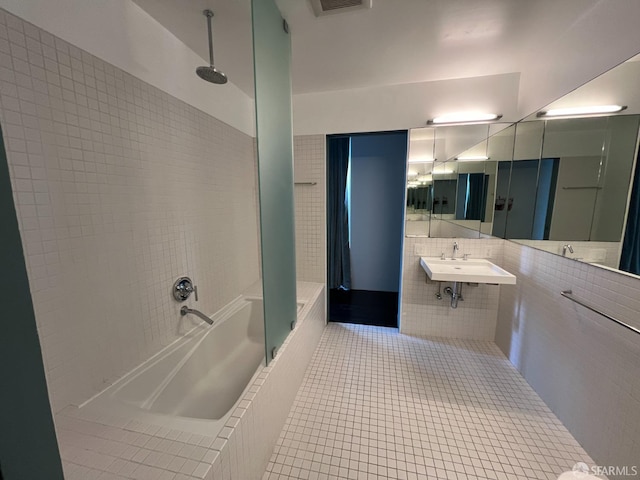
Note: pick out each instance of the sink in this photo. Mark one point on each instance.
(474, 270)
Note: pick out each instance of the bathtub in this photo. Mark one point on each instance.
(194, 383)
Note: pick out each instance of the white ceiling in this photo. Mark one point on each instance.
(405, 41)
(397, 42)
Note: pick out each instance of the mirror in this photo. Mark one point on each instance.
(562, 185)
(446, 196)
(420, 181)
(568, 186)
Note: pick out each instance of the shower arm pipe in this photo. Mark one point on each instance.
(209, 15)
(186, 310)
(569, 294)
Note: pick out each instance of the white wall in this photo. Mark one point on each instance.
(311, 231)
(602, 253)
(582, 365)
(121, 33)
(395, 107)
(120, 188)
(451, 228)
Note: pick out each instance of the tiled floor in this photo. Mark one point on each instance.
(376, 404)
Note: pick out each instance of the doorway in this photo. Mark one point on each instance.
(366, 175)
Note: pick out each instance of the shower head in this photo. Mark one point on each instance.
(210, 73)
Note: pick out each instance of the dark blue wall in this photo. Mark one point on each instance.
(378, 163)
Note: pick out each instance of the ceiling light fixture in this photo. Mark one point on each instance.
(472, 158)
(464, 117)
(589, 110)
(421, 160)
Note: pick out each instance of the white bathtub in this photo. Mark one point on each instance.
(194, 383)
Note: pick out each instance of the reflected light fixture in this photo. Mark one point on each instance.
(464, 117)
(421, 160)
(588, 110)
(472, 158)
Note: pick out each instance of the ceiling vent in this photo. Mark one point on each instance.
(328, 7)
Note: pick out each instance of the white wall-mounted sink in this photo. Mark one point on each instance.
(474, 270)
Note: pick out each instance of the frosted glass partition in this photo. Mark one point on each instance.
(272, 58)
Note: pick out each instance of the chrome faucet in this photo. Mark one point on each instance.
(455, 249)
(565, 248)
(186, 310)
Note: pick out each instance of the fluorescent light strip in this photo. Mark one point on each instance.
(589, 110)
(421, 160)
(465, 117)
(473, 158)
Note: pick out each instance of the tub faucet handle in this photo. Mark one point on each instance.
(182, 288)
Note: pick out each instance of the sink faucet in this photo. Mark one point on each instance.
(455, 249)
(565, 248)
(186, 310)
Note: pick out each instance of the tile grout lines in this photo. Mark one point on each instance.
(376, 404)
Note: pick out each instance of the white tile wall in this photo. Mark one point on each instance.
(453, 228)
(120, 188)
(311, 244)
(110, 448)
(584, 367)
(602, 253)
(424, 315)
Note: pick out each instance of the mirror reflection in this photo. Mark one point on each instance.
(446, 195)
(561, 184)
(420, 181)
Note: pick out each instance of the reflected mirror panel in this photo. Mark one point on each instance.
(585, 176)
(420, 181)
(577, 188)
(447, 191)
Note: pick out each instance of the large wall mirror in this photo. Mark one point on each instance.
(560, 184)
(447, 181)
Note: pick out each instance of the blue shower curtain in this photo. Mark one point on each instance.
(630, 259)
(475, 197)
(339, 274)
(470, 204)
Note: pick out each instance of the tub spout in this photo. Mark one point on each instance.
(186, 310)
